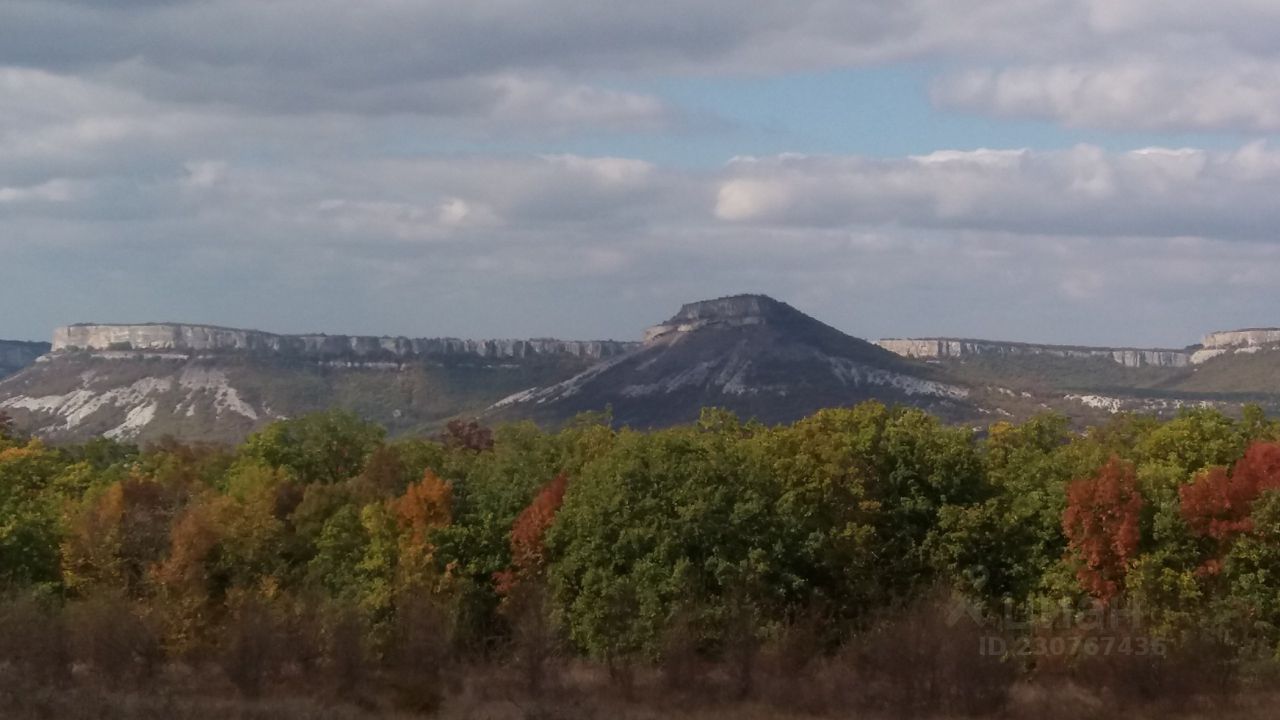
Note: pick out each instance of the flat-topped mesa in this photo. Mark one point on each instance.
(936, 348)
(731, 311)
(183, 338)
(1247, 337)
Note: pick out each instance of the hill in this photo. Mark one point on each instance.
(143, 382)
(750, 354)
(16, 355)
(1226, 370)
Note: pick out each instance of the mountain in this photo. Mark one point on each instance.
(199, 382)
(751, 354)
(1225, 370)
(16, 355)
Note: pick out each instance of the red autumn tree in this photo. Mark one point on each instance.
(1218, 503)
(528, 535)
(467, 435)
(1102, 525)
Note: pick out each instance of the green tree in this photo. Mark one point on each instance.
(29, 526)
(327, 447)
(668, 516)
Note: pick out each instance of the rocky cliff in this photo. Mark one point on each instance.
(206, 338)
(937, 348)
(15, 355)
(732, 311)
(1250, 337)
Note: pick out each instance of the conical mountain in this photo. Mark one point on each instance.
(750, 354)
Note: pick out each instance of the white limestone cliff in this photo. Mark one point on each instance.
(935, 348)
(206, 338)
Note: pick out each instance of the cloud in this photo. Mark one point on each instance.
(1127, 95)
(300, 164)
(52, 191)
(1010, 242)
(553, 65)
(1084, 191)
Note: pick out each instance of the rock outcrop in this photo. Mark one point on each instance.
(732, 311)
(1249, 337)
(937, 348)
(179, 337)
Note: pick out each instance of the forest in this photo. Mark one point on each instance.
(865, 561)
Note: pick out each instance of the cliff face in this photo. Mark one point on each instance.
(733, 311)
(206, 338)
(935, 348)
(1252, 337)
(15, 355)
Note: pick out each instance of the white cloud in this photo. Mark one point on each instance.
(549, 66)
(1142, 93)
(293, 149)
(1082, 191)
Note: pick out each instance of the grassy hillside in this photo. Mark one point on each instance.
(1048, 373)
(79, 396)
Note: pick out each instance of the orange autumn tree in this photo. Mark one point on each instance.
(528, 536)
(1102, 525)
(425, 506)
(1218, 503)
(114, 535)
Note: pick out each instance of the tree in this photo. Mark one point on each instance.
(1198, 438)
(469, 435)
(528, 535)
(668, 517)
(1218, 503)
(115, 534)
(425, 507)
(1251, 575)
(1002, 548)
(6, 428)
(1102, 523)
(489, 490)
(28, 517)
(327, 447)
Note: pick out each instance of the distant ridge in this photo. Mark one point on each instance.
(17, 354)
(752, 354)
(947, 347)
(184, 337)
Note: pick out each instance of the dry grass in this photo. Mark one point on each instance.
(102, 662)
(584, 692)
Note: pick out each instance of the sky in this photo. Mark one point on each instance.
(1090, 171)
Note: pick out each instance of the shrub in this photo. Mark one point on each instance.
(419, 655)
(110, 635)
(33, 641)
(252, 641)
(929, 659)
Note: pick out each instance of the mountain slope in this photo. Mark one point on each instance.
(749, 353)
(1226, 370)
(218, 384)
